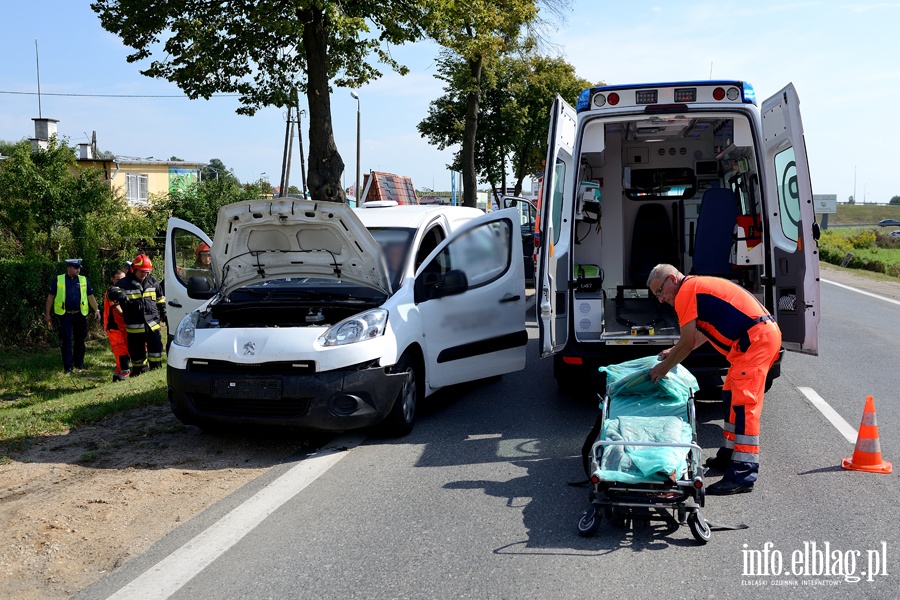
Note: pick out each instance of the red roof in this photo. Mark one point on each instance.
(387, 186)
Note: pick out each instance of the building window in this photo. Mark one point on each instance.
(136, 188)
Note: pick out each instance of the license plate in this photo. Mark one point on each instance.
(266, 389)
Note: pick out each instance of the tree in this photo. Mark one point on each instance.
(475, 31)
(268, 51)
(216, 169)
(199, 202)
(516, 93)
(894, 200)
(42, 191)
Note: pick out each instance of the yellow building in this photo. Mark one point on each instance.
(135, 178)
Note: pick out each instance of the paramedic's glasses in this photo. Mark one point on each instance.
(660, 288)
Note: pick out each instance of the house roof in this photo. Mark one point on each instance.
(379, 186)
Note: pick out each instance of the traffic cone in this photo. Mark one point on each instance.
(867, 453)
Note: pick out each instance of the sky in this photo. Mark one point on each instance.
(841, 57)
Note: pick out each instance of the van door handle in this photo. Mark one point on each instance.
(175, 304)
(510, 298)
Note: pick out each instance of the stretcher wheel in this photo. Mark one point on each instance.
(699, 527)
(588, 523)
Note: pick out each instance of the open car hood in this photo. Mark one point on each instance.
(259, 240)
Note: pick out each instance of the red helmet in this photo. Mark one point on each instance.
(141, 262)
(203, 247)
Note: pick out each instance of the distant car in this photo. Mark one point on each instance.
(329, 318)
(889, 222)
(895, 233)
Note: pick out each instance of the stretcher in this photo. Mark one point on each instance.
(645, 464)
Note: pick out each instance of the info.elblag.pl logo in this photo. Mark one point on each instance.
(813, 564)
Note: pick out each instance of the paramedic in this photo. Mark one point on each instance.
(730, 318)
(114, 324)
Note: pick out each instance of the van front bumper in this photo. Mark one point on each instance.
(337, 400)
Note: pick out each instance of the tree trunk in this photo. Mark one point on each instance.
(325, 163)
(467, 153)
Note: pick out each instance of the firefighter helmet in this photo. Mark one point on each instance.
(201, 248)
(141, 262)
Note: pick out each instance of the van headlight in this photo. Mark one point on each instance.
(187, 329)
(357, 328)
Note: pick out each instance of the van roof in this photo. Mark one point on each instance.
(675, 93)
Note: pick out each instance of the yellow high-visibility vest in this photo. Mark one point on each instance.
(59, 302)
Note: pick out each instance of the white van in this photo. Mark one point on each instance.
(693, 174)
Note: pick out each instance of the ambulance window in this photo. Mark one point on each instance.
(788, 193)
(559, 182)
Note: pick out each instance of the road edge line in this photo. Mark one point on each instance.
(170, 574)
(859, 291)
(843, 427)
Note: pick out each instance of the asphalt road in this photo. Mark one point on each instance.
(474, 503)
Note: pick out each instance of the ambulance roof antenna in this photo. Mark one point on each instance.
(37, 62)
(710, 69)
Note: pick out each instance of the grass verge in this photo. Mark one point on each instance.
(37, 399)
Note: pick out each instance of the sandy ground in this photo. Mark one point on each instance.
(75, 506)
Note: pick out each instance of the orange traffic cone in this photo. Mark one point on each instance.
(867, 453)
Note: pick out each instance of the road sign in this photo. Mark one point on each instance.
(825, 204)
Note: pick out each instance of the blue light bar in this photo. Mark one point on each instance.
(749, 93)
(584, 99)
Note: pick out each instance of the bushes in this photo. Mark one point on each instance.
(870, 250)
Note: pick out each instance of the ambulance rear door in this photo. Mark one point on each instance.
(793, 231)
(553, 257)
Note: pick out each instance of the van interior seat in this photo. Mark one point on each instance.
(714, 237)
(652, 243)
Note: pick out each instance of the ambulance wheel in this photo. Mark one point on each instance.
(589, 523)
(699, 527)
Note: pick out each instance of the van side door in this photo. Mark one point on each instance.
(470, 295)
(793, 232)
(182, 242)
(554, 271)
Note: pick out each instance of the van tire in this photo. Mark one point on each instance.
(399, 422)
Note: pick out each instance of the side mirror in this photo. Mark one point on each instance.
(198, 288)
(454, 283)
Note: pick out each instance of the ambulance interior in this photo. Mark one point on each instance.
(679, 189)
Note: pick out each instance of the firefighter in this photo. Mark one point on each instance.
(114, 324)
(144, 306)
(726, 315)
(68, 299)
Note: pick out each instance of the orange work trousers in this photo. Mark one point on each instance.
(118, 342)
(744, 387)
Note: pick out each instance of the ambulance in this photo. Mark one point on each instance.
(696, 174)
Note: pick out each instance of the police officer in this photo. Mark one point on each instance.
(144, 308)
(68, 299)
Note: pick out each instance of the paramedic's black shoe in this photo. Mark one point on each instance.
(727, 488)
(720, 462)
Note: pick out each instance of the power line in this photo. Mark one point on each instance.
(113, 95)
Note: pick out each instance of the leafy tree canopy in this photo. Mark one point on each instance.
(267, 52)
(894, 200)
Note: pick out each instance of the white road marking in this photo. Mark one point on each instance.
(843, 427)
(170, 574)
(858, 291)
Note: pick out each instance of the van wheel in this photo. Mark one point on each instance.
(399, 421)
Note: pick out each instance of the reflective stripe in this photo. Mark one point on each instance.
(151, 294)
(869, 419)
(871, 445)
(729, 427)
(745, 457)
(750, 440)
(155, 327)
(729, 444)
(139, 363)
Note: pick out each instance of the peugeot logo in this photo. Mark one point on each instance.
(249, 349)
